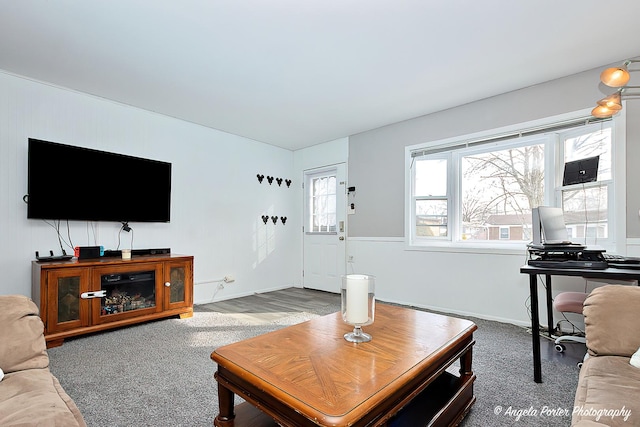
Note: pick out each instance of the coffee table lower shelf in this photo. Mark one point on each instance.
(445, 402)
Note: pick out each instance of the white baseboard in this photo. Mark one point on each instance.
(464, 313)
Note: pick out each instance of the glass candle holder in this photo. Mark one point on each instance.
(358, 305)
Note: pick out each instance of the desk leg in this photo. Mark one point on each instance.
(225, 402)
(550, 323)
(535, 328)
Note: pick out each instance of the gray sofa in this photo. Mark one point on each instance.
(29, 394)
(609, 385)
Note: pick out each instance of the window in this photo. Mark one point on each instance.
(498, 186)
(431, 197)
(322, 203)
(504, 233)
(483, 191)
(586, 205)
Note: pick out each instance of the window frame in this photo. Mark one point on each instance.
(449, 190)
(553, 186)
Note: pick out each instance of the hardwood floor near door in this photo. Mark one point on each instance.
(287, 300)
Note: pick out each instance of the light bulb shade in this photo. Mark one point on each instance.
(612, 102)
(602, 112)
(615, 77)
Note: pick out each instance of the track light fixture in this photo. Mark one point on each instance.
(616, 77)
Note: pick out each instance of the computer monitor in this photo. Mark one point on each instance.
(581, 171)
(554, 229)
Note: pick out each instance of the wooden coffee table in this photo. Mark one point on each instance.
(309, 375)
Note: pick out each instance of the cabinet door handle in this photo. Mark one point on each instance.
(94, 294)
(167, 284)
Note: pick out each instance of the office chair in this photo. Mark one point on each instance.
(569, 302)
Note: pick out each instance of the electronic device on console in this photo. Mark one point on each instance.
(137, 252)
(569, 256)
(549, 228)
(88, 252)
(52, 257)
(551, 246)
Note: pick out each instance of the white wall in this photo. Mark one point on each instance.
(453, 283)
(216, 198)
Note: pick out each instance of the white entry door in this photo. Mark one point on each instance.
(324, 228)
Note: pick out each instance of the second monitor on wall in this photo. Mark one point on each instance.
(581, 171)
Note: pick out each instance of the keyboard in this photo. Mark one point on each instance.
(619, 259)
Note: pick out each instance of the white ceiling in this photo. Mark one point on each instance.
(295, 73)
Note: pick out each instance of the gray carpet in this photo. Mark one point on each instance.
(160, 373)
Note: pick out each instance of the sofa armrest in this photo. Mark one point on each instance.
(612, 320)
(21, 334)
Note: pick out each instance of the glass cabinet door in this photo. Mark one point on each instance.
(66, 309)
(178, 279)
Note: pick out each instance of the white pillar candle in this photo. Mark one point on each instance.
(357, 300)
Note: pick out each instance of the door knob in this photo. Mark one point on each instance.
(341, 238)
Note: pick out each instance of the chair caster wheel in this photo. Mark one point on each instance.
(560, 348)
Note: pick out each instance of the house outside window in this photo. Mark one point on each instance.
(483, 192)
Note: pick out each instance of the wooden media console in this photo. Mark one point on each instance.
(78, 297)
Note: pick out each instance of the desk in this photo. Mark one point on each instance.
(534, 272)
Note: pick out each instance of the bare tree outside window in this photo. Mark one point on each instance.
(499, 189)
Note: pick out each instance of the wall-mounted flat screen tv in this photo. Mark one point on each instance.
(73, 183)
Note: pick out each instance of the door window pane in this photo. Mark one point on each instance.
(322, 204)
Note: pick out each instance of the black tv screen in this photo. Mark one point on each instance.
(581, 171)
(73, 183)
